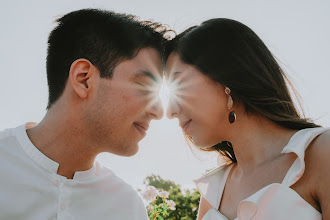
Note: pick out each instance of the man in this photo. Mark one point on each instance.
(103, 72)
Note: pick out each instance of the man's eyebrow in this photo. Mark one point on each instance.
(142, 73)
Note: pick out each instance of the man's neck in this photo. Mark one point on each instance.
(62, 140)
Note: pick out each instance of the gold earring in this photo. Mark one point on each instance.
(232, 114)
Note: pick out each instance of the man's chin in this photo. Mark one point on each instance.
(123, 150)
(130, 154)
(130, 151)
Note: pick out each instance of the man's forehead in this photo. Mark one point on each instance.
(149, 62)
(150, 56)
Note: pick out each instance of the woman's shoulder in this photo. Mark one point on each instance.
(316, 156)
(324, 138)
(211, 180)
(317, 170)
(319, 149)
(217, 171)
(211, 184)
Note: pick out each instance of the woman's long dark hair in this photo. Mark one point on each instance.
(230, 53)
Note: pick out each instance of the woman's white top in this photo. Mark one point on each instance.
(275, 201)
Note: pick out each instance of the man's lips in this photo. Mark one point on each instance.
(142, 127)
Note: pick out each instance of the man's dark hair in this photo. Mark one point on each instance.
(105, 38)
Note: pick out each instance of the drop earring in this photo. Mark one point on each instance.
(232, 114)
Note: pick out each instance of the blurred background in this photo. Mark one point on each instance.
(297, 32)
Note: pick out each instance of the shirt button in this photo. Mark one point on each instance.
(57, 183)
(63, 206)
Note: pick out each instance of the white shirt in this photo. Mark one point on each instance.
(276, 201)
(31, 189)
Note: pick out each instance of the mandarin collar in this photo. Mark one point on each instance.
(42, 160)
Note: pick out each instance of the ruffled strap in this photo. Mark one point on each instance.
(276, 201)
(208, 184)
(298, 145)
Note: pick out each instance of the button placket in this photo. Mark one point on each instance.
(62, 201)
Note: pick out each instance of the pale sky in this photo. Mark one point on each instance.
(297, 32)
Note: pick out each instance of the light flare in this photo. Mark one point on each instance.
(164, 94)
(169, 93)
(179, 93)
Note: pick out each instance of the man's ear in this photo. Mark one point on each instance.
(81, 73)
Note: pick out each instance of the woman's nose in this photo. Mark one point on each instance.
(173, 109)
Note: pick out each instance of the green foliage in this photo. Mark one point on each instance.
(186, 201)
(159, 211)
(159, 183)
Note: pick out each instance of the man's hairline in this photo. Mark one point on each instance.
(123, 59)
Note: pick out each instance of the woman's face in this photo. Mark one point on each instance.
(199, 103)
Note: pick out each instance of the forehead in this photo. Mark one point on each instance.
(173, 62)
(177, 70)
(175, 67)
(147, 60)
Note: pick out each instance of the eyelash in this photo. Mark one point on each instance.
(145, 91)
(141, 85)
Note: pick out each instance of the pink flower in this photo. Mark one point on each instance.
(170, 204)
(163, 194)
(150, 194)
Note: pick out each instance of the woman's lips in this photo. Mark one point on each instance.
(186, 126)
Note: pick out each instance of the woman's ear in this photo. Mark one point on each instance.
(81, 71)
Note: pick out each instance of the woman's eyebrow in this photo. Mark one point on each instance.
(176, 73)
(173, 75)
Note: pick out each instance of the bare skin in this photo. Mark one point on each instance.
(258, 150)
(61, 135)
(96, 114)
(260, 144)
(244, 181)
(54, 137)
(257, 142)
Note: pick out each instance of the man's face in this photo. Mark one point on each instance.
(123, 106)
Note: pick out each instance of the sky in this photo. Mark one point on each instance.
(296, 32)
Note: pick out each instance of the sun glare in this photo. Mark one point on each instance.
(164, 94)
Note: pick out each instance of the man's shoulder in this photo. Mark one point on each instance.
(116, 189)
(114, 182)
(6, 133)
(8, 139)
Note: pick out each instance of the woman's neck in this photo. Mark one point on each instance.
(258, 140)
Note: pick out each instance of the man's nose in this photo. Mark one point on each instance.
(156, 110)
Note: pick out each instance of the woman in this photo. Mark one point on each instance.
(230, 95)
